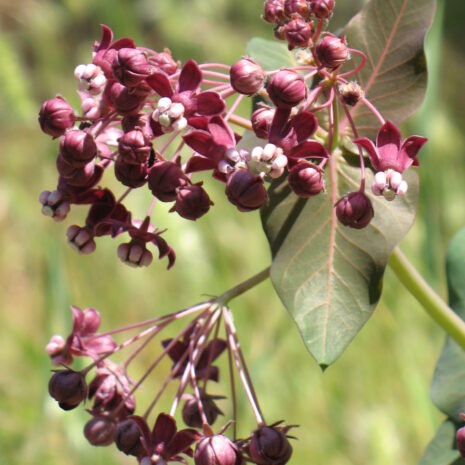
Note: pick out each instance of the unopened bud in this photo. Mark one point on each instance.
(322, 9)
(68, 388)
(130, 66)
(332, 51)
(100, 431)
(354, 210)
(191, 413)
(306, 179)
(134, 147)
(261, 122)
(128, 438)
(164, 61)
(192, 202)
(56, 116)
(296, 7)
(247, 77)
(298, 33)
(130, 174)
(274, 11)
(287, 89)
(246, 190)
(164, 178)
(269, 446)
(78, 148)
(217, 450)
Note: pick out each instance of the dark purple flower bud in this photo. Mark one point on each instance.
(217, 450)
(128, 438)
(460, 437)
(299, 7)
(125, 101)
(164, 178)
(56, 116)
(322, 9)
(246, 191)
(54, 204)
(191, 413)
(332, 51)
(139, 121)
(130, 174)
(100, 431)
(298, 33)
(81, 239)
(261, 122)
(274, 11)
(68, 388)
(165, 62)
(351, 93)
(134, 147)
(354, 210)
(192, 202)
(286, 89)
(76, 177)
(130, 66)
(78, 148)
(247, 77)
(306, 179)
(269, 446)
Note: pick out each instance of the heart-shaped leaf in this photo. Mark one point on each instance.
(329, 276)
(448, 387)
(391, 34)
(269, 54)
(442, 450)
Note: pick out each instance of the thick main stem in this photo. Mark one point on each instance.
(441, 313)
(243, 287)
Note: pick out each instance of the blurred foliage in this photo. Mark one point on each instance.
(372, 407)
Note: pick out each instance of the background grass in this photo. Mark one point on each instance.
(371, 407)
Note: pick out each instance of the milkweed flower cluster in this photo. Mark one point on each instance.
(193, 352)
(160, 125)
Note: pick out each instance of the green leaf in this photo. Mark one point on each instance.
(329, 276)
(391, 34)
(448, 387)
(442, 449)
(269, 54)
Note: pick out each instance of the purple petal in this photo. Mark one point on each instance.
(160, 83)
(209, 104)
(388, 143)
(214, 349)
(221, 133)
(125, 42)
(368, 145)
(177, 350)
(200, 141)
(304, 124)
(91, 322)
(278, 125)
(197, 163)
(408, 152)
(78, 319)
(309, 149)
(105, 41)
(182, 441)
(190, 77)
(164, 250)
(163, 431)
(198, 122)
(99, 345)
(144, 431)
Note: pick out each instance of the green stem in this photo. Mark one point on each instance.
(441, 313)
(243, 287)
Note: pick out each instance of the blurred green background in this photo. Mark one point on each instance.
(371, 407)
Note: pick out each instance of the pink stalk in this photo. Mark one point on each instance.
(200, 343)
(359, 67)
(319, 28)
(233, 392)
(124, 195)
(170, 316)
(241, 366)
(215, 65)
(331, 124)
(234, 106)
(215, 74)
(360, 152)
(373, 109)
(328, 102)
(227, 92)
(152, 205)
